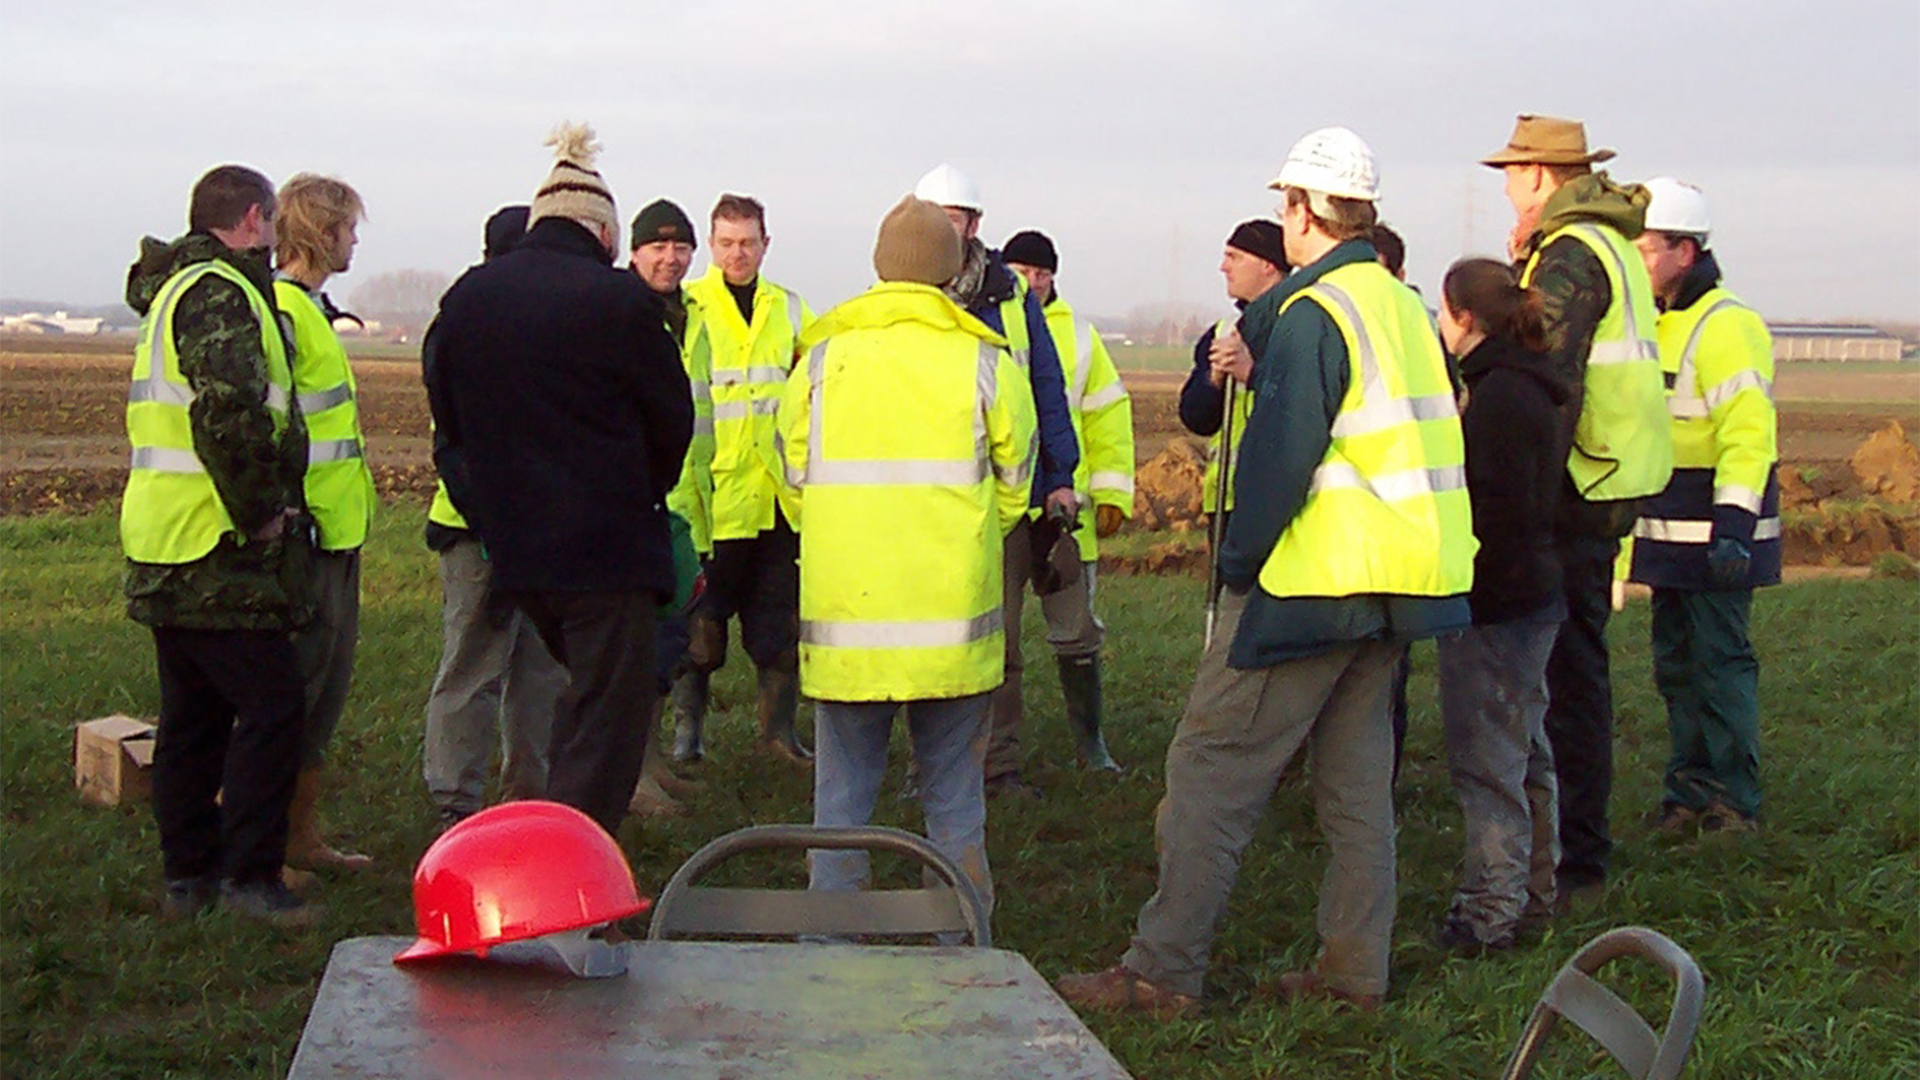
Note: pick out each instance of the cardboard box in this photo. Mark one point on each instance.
(113, 760)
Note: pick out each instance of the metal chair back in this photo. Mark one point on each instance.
(687, 909)
(1615, 1025)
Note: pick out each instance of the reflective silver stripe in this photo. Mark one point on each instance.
(793, 312)
(1022, 357)
(1686, 408)
(1104, 396)
(1634, 347)
(1389, 487)
(322, 400)
(160, 391)
(327, 450)
(1020, 475)
(156, 386)
(1379, 409)
(1622, 352)
(702, 424)
(903, 634)
(277, 397)
(1687, 402)
(740, 410)
(1111, 481)
(757, 375)
(1083, 356)
(166, 459)
(816, 376)
(1745, 380)
(700, 387)
(1738, 495)
(895, 471)
(1685, 531)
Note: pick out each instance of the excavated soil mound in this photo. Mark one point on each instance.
(1166, 490)
(1888, 465)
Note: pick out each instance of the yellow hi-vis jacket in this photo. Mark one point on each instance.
(339, 486)
(1242, 411)
(909, 438)
(1621, 446)
(692, 496)
(1387, 509)
(172, 514)
(751, 361)
(1102, 416)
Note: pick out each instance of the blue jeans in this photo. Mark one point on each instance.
(850, 760)
(1493, 702)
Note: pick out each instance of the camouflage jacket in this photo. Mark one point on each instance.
(242, 584)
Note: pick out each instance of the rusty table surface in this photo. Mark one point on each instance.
(723, 1011)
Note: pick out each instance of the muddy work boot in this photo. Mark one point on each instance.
(1121, 989)
(1080, 685)
(776, 705)
(306, 850)
(689, 713)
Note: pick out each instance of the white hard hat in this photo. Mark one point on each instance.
(948, 186)
(1332, 161)
(1677, 207)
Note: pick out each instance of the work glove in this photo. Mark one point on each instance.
(1727, 563)
(1107, 520)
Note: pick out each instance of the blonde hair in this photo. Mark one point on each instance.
(313, 209)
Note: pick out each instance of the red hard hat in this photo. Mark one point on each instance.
(516, 871)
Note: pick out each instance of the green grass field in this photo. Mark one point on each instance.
(1807, 934)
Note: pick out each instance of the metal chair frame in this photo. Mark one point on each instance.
(1615, 1025)
(686, 909)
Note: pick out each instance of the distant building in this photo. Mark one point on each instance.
(1832, 342)
(33, 322)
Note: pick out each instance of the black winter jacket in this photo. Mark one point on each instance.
(1516, 457)
(563, 414)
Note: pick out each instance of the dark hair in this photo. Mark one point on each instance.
(1490, 291)
(223, 196)
(1392, 249)
(740, 208)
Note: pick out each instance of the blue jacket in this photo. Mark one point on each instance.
(1059, 451)
(1300, 374)
(1203, 406)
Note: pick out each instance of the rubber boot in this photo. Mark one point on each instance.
(776, 705)
(689, 713)
(305, 849)
(1080, 685)
(650, 797)
(654, 764)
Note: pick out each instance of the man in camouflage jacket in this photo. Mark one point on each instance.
(231, 699)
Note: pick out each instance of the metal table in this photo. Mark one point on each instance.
(723, 1011)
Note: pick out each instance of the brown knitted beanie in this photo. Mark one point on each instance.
(573, 190)
(917, 243)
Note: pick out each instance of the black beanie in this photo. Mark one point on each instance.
(660, 220)
(1031, 248)
(504, 230)
(1261, 239)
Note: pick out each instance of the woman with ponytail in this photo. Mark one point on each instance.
(1493, 689)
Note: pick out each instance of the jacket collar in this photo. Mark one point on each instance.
(565, 235)
(1699, 282)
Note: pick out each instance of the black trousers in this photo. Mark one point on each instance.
(605, 641)
(758, 579)
(1580, 710)
(231, 708)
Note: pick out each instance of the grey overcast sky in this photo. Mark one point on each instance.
(1135, 133)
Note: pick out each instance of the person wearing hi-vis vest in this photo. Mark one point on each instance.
(1351, 535)
(217, 549)
(753, 329)
(907, 433)
(496, 684)
(1573, 241)
(997, 296)
(1254, 261)
(315, 234)
(1713, 536)
(1102, 415)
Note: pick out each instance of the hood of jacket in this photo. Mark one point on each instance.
(1595, 197)
(160, 260)
(1499, 353)
(890, 303)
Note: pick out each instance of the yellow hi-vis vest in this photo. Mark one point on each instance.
(1720, 356)
(1242, 411)
(339, 486)
(692, 496)
(1387, 510)
(442, 511)
(751, 361)
(1102, 415)
(171, 513)
(1621, 446)
(908, 437)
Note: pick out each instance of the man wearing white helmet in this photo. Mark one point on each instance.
(1713, 536)
(997, 296)
(1351, 536)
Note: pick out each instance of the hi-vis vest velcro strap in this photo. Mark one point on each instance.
(157, 388)
(1379, 408)
(1389, 487)
(1636, 346)
(902, 634)
(1694, 531)
(1687, 402)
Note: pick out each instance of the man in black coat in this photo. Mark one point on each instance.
(563, 415)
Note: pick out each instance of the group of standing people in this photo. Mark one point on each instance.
(872, 491)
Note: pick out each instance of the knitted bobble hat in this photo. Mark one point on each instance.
(574, 190)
